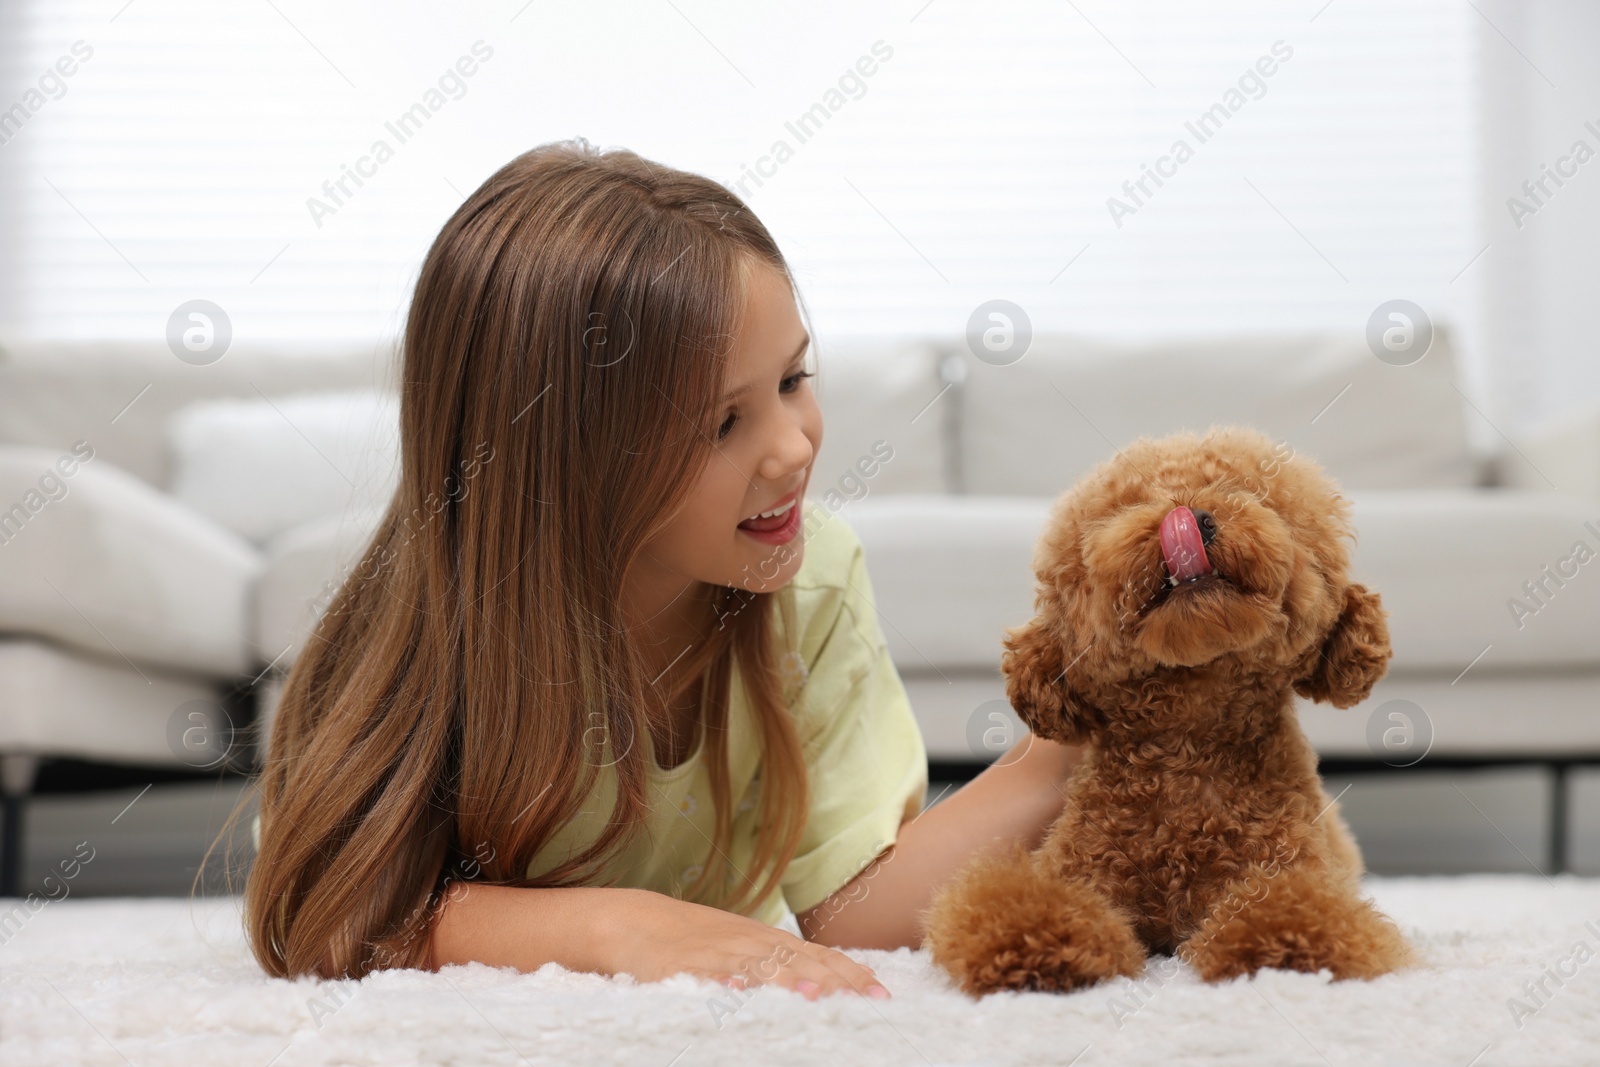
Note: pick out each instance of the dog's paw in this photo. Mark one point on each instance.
(1303, 922)
(1050, 960)
(1003, 925)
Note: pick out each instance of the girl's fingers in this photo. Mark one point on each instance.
(809, 969)
(844, 972)
(813, 978)
(809, 976)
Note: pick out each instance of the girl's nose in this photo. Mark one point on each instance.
(794, 451)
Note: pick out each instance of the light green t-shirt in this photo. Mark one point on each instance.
(867, 767)
(864, 753)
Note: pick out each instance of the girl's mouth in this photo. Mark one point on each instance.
(778, 528)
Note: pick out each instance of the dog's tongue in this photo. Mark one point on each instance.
(1181, 545)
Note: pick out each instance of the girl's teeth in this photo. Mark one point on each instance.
(774, 511)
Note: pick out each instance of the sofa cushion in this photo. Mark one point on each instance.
(1452, 564)
(1032, 427)
(304, 567)
(951, 572)
(963, 715)
(97, 559)
(1561, 452)
(1487, 712)
(260, 466)
(65, 703)
(878, 391)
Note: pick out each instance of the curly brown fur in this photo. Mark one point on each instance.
(1197, 819)
(1018, 927)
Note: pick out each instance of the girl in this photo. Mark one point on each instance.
(605, 689)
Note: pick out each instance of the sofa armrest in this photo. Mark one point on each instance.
(98, 560)
(1562, 452)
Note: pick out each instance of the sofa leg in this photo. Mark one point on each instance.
(17, 771)
(1558, 818)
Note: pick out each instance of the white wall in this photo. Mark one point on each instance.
(976, 163)
(1540, 283)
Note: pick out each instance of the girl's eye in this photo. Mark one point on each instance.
(788, 385)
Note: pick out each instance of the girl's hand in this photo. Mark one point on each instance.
(653, 936)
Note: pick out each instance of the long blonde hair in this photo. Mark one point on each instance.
(565, 350)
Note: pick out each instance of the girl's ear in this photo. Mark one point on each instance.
(1354, 655)
(1036, 686)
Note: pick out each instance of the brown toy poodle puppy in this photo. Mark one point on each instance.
(1187, 588)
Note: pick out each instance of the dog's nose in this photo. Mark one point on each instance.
(1207, 524)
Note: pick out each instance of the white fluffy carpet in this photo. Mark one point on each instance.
(154, 982)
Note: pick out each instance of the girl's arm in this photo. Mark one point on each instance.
(610, 930)
(503, 926)
(1016, 799)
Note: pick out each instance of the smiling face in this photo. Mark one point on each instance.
(764, 440)
(1184, 550)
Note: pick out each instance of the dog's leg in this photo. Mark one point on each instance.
(1343, 853)
(1296, 918)
(1003, 923)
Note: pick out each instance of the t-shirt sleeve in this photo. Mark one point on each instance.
(865, 756)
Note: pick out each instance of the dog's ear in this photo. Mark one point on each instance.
(1354, 655)
(1037, 687)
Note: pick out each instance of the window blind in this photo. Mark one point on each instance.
(934, 155)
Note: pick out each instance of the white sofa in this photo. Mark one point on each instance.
(188, 558)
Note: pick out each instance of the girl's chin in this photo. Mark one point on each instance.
(774, 565)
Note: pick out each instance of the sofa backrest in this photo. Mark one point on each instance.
(266, 438)
(885, 427)
(1034, 426)
(261, 466)
(244, 441)
(119, 395)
